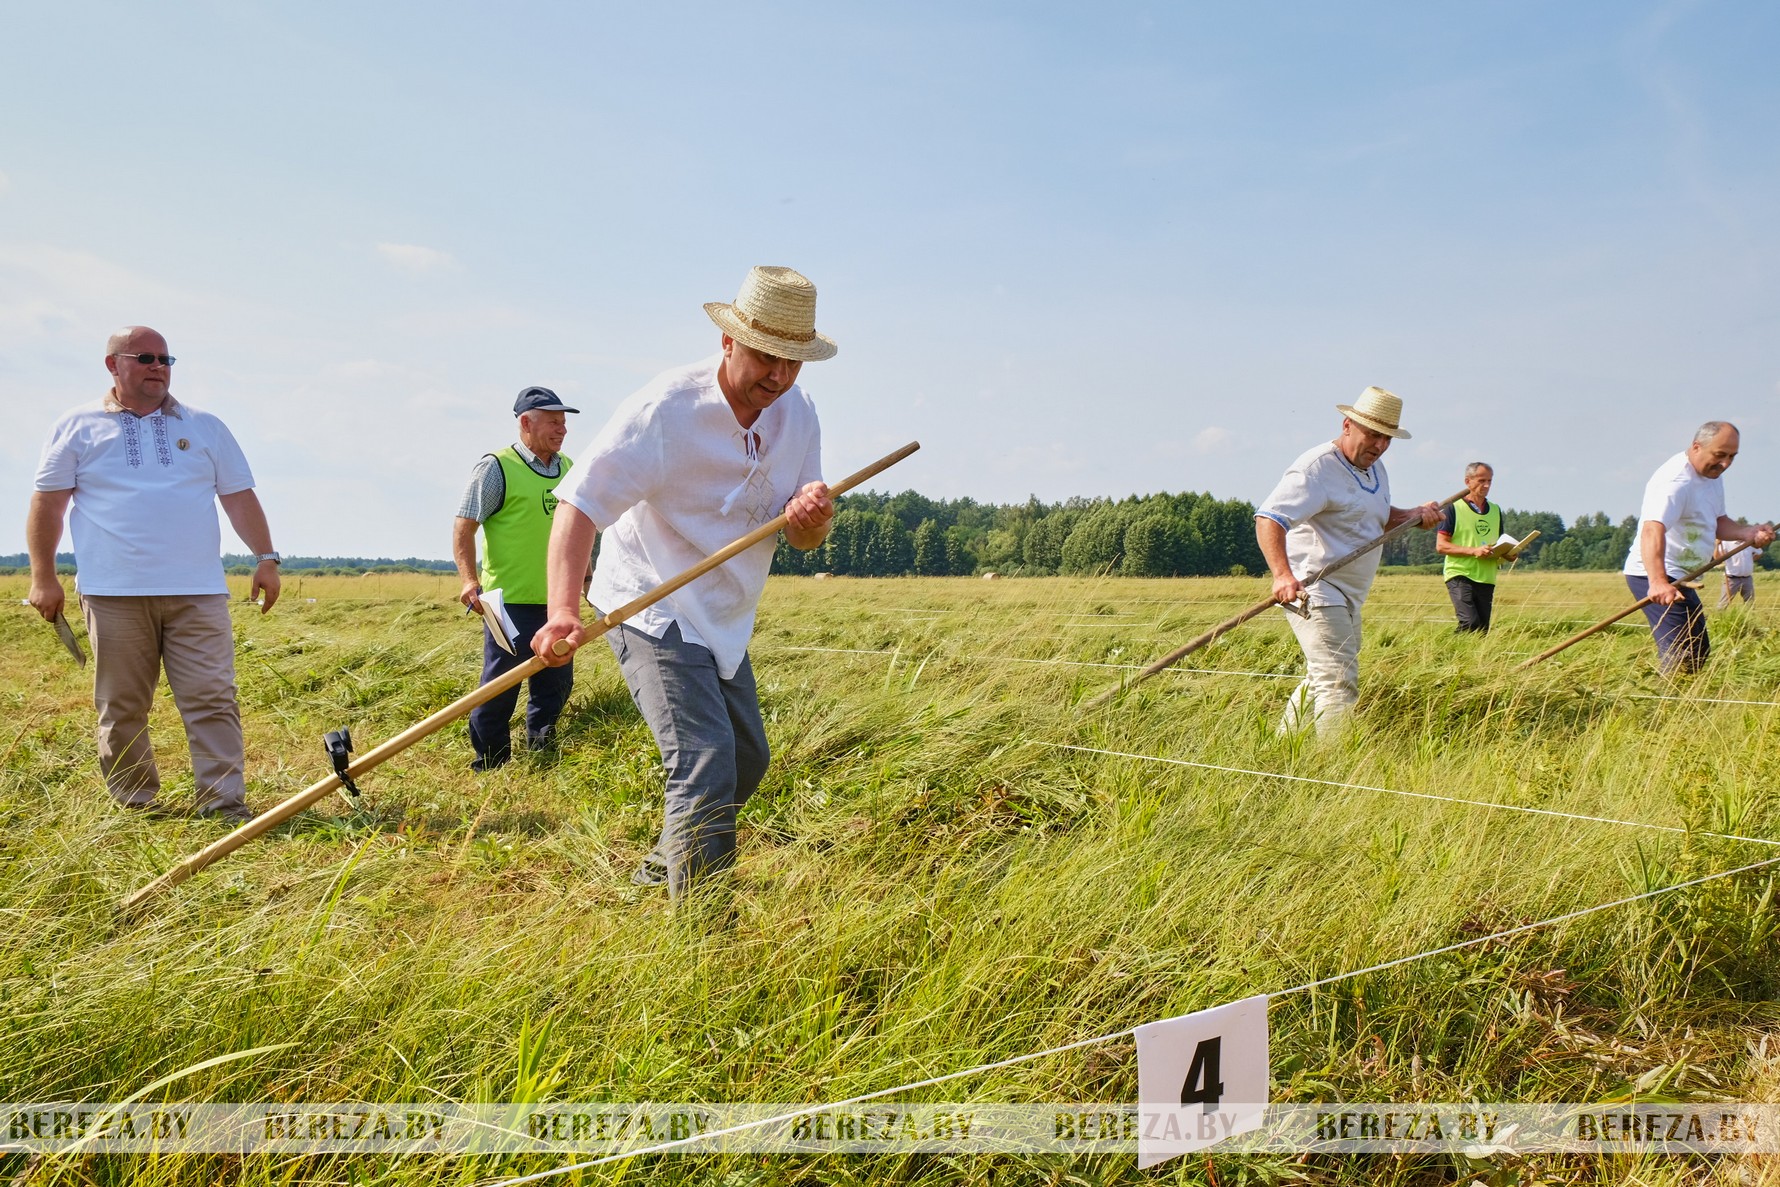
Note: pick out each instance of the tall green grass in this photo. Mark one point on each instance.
(928, 882)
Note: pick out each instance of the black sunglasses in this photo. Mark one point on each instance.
(166, 360)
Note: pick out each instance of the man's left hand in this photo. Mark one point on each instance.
(1429, 514)
(1762, 536)
(265, 580)
(811, 508)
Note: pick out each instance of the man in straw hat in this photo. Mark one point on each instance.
(693, 460)
(1681, 517)
(1331, 500)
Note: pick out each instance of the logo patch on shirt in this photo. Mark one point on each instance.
(183, 443)
(550, 502)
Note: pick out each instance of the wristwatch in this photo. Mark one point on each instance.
(262, 557)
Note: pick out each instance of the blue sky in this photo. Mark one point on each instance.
(1073, 250)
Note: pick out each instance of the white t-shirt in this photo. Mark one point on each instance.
(672, 478)
(143, 513)
(1743, 563)
(1329, 508)
(1688, 505)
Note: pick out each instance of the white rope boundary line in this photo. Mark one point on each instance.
(1074, 663)
(1415, 795)
(662, 1147)
(1651, 696)
(1526, 927)
(1082, 663)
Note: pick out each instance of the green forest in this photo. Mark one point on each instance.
(1159, 535)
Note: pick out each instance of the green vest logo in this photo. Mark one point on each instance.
(550, 501)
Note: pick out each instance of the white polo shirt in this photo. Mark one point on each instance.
(1328, 507)
(1688, 505)
(672, 478)
(143, 513)
(1742, 564)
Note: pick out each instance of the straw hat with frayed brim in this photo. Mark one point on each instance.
(1378, 410)
(775, 313)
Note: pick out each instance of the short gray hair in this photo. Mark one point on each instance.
(1475, 468)
(1711, 429)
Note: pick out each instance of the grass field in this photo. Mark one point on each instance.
(927, 882)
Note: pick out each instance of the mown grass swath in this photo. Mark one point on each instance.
(922, 887)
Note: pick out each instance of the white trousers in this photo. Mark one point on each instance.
(1330, 640)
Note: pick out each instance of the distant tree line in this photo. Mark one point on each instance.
(323, 566)
(1161, 535)
(243, 563)
(1592, 542)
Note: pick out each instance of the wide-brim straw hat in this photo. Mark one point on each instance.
(775, 313)
(1378, 410)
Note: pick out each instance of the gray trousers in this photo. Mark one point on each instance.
(190, 636)
(1743, 587)
(712, 743)
(1330, 640)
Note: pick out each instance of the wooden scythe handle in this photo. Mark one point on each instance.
(371, 759)
(1230, 624)
(1611, 619)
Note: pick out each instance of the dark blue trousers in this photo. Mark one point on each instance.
(489, 722)
(1472, 601)
(1680, 630)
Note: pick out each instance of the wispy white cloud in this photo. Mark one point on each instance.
(411, 257)
(462, 319)
(1212, 440)
(64, 302)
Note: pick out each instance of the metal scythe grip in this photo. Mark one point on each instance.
(339, 747)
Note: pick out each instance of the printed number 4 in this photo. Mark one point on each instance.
(1202, 1085)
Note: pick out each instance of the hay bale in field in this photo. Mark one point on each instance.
(821, 576)
(991, 575)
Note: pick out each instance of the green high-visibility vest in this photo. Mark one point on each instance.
(1471, 530)
(517, 536)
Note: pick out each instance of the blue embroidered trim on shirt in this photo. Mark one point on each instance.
(133, 439)
(163, 452)
(1358, 477)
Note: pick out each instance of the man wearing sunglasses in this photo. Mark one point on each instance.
(139, 475)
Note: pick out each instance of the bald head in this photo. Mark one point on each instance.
(140, 387)
(125, 338)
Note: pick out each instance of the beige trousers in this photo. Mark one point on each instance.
(190, 636)
(1330, 640)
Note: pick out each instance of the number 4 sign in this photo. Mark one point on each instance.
(1200, 1078)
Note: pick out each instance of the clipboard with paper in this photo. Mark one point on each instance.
(1507, 548)
(496, 619)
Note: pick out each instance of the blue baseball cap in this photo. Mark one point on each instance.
(539, 399)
